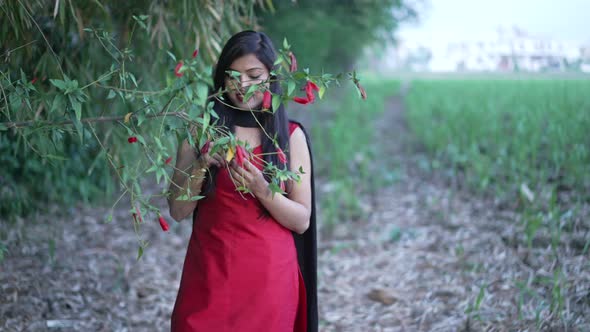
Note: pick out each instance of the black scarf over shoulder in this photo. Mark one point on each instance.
(306, 245)
(230, 117)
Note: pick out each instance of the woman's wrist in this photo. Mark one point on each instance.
(261, 191)
(199, 165)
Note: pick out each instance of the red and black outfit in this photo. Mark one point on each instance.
(243, 270)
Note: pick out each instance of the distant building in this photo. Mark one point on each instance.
(512, 50)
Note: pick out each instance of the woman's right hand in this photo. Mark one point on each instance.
(216, 159)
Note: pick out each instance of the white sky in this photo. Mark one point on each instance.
(444, 21)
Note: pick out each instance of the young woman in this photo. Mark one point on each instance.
(251, 259)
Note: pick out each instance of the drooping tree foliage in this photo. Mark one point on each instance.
(100, 43)
(66, 61)
(332, 34)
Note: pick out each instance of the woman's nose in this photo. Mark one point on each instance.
(245, 81)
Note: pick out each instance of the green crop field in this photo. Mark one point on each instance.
(525, 142)
(501, 133)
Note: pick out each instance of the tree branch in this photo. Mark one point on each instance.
(87, 120)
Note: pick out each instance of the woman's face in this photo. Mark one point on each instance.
(252, 71)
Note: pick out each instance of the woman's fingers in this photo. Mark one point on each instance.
(210, 160)
(239, 170)
(249, 167)
(237, 177)
(214, 160)
(219, 161)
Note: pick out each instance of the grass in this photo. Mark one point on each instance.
(345, 149)
(502, 133)
(520, 140)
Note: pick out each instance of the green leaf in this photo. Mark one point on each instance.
(111, 94)
(202, 93)
(77, 108)
(222, 141)
(59, 84)
(52, 156)
(278, 61)
(189, 92)
(290, 87)
(299, 75)
(58, 103)
(140, 118)
(196, 198)
(3, 127)
(480, 297)
(152, 169)
(139, 252)
(214, 148)
(79, 128)
(276, 102)
(251, 91)
(190, 139)
(322, 91)
(172, 56)
(159, 174)
(274, 188)
(141, 139)
(158, 142)
(206, 121)
(133, 79)
(233, 73)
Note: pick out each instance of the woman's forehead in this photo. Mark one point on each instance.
(248, 62)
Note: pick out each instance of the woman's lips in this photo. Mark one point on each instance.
(239, 97)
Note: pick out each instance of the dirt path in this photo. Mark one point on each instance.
(422, 259)
(417, 264)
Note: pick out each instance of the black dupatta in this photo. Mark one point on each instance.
(306, 245)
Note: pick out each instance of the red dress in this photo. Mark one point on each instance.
(240, 272)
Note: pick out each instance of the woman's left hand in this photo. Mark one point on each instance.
(249, 176)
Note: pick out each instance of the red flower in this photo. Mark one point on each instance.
(195, 53)
(282, 156)
(293, 62)
(134, 217)
(309, 88)
(362, 91)
(266, 100)
(240, 155)
(168, 160)
(137, 215)
(301, 100)
(177, 69)
(132, 139)
(206, 147)
(163, 224)
(34, 80)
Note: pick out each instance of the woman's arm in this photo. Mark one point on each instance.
(186, 165)
(188, 176)
(294, 211)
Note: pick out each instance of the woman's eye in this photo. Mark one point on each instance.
(256, 77)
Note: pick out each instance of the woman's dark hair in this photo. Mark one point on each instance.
(277, 124)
